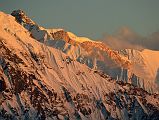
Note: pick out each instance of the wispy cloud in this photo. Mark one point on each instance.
(125, 38)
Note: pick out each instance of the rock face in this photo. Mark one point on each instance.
(41, 82)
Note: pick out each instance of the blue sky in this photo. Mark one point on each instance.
(90, 18)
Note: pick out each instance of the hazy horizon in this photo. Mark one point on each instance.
(91, 18)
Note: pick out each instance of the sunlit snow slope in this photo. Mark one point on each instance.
(130, 66)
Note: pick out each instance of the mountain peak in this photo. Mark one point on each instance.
(21, 17)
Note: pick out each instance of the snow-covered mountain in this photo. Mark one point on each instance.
(145, 66)
(131, 66)
(42, 77)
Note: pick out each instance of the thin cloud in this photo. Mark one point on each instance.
(125, 38)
